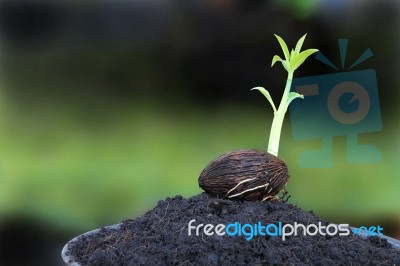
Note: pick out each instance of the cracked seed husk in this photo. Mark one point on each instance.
(245, 175)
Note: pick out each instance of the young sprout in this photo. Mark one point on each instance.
(254, 174)
(291, 62)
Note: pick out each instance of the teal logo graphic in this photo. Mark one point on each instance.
(340, 104)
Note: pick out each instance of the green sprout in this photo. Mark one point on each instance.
(292, 61)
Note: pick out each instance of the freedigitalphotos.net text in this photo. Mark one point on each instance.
(259, 229)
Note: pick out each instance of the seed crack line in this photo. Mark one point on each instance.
(247, 190)
(241, 182)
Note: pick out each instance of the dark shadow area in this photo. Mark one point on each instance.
(29, 241)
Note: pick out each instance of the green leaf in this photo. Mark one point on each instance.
(283, 46)
(300, 58)
(286, 65)
(300, 43)
(292, 54)
(294, 95)
(275, 59)
(267, 95)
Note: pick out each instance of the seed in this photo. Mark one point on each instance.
(245, 175)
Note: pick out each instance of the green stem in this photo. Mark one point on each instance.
(279, 115)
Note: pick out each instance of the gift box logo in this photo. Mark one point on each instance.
(339, 104)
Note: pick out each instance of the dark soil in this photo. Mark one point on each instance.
(160, 237)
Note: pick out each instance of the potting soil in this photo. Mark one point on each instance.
(161, 237)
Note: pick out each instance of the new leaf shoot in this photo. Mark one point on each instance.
(292, 60)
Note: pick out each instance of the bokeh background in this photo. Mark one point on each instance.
(107, 107)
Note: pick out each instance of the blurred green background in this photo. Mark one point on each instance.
(108, 107)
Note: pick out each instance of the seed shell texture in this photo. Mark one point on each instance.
(245, 175)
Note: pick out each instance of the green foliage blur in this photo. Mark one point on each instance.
(57, 166)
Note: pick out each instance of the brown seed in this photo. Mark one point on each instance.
(245, 174)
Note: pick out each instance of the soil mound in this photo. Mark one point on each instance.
(160, 237)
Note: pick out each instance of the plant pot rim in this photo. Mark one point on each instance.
(66, 254)
(70, 260)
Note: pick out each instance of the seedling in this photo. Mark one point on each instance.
(292, 61)
(253, 174)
